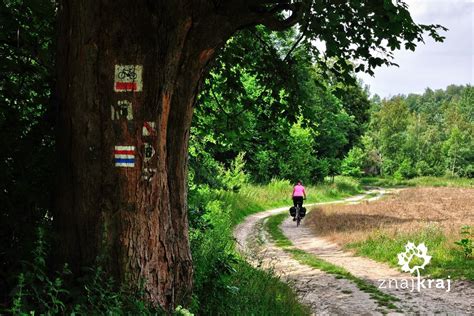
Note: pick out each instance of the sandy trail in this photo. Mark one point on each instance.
(428, 301)
(322, 292)
(327, 295)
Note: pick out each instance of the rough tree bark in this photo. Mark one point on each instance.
(136, 224)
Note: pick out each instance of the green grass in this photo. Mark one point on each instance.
(256, 292)
(420, 181)
(446, 260)
(272, 226)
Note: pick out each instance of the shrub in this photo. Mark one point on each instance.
(422, 168)
(35, 290)
(466, 243)
(405, 170)
(94, 294)
(354, 162)
(234, 177)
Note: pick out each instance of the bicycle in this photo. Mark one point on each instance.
(298, 215)
(128, 73)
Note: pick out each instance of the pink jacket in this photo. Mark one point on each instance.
(298, 190)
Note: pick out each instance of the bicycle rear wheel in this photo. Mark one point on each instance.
(298, 217)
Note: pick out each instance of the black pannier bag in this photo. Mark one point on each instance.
(293, 211)
(302, 212)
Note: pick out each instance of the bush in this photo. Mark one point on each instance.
(405, 170)
(234, 177)
(264, 162)
(213, 255)
(36, 291)
(354, 163)
(423, 168)
(347, 185)
(94, 294)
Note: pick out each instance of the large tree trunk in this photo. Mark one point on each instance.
(137, 223)
(106, 207)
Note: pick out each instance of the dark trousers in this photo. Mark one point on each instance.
(298, 200)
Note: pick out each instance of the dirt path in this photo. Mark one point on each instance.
(458, 301)
(322, 292)
(327, 295)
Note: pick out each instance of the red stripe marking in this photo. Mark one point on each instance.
(129, 86)
(149, 128)
(124, 152)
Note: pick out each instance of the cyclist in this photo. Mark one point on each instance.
(298, 195)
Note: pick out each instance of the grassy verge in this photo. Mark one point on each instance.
(420, 181)
(258, 292)
(445, 262)
(224, 283)
(272, 225)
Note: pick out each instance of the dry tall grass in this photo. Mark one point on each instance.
(404, 211)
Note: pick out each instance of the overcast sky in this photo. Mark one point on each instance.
(434, 65)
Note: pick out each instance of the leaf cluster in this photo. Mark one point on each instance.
(364, 32)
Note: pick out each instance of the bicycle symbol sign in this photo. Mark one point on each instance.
(128, 78)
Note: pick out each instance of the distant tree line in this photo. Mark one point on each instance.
(418, 135)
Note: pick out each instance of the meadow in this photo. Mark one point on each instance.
(380, 229)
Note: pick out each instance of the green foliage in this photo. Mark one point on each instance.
(37, 292)
(405, 170)
(422, 135)
(26, 128)
(180, 310)
(285, 116)
(213, 254)
(466, 243)
(457, 149)
(419, 181)
(353, 164)
(254, 292)
(299, 157)
(234, 177)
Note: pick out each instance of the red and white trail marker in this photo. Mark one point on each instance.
(128, 78)
(149, 129)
